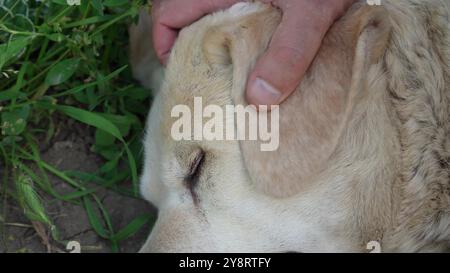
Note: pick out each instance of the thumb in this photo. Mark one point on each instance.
(280, 69)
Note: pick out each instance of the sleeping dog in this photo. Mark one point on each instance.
(364, 141)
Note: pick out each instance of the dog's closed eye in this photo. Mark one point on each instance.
(195, 169)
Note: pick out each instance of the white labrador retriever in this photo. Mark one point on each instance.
(364, 149)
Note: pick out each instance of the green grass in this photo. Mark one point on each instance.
(69, 61)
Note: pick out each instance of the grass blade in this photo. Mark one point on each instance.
(133, 227)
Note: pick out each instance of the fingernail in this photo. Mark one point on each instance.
(263, 93)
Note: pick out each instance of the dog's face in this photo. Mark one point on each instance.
(215, 195)
(204, 196)
(198, 196)
(207, 202)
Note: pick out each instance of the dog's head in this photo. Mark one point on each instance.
(228, 195)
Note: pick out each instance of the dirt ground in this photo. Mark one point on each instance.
(70, 150)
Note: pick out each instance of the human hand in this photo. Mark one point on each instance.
(294, 44)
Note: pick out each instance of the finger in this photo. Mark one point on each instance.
(294, 45)
(163, 39)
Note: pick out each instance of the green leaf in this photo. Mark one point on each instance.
(13, 49)
(123, 123)
(108, 152)
(102, 123)
(98, 6)
(115, 3)
(15, 122)
(133, 227)
(133, 168)
(87, 85)
(95, 221)
(89, 21)
(92, 119)
(102, 181)
(20, 22)
(109, 166)
(61, 72)
(56, 37)
(77, 194)
(61, 2)
(102, 138)
(136, 92)
(11, 94)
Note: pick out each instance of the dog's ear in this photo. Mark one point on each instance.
(314, 117)
(145, 65)
(371, 28)
(217, 47)
(238, 43)
(372, 31)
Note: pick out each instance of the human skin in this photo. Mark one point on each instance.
(279, 71)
